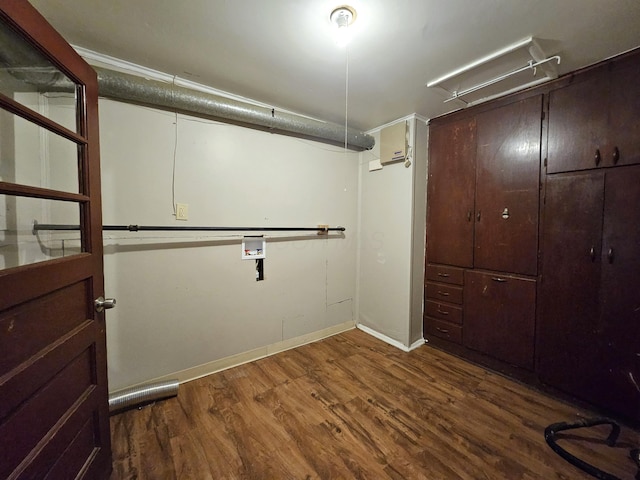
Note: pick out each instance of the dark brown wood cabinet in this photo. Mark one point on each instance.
(451, 190)
(507, 187)
(547, 283)
(499, 316)
(483, 200)
(594, 121)
(569, 288)
(589, 331)
(443, 302)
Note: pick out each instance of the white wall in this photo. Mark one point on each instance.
(185, 300)
(391, 248)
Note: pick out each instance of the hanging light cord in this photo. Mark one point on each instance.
(346, 98)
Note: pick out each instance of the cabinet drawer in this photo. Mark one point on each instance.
(444, 293)
(441, 329)
(443, 273)
(443, 311)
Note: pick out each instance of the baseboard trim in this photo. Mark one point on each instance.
(203, 370)
(389, 340)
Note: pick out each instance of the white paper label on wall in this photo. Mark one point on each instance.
(375, 165)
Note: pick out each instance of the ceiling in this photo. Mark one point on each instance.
(283, 53)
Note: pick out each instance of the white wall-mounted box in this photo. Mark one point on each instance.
(393, 143)
(253, 248)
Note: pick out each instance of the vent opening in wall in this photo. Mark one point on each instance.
(393, 143)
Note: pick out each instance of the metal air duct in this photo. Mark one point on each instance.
(139, 90)
(27, 65)
(136, 396)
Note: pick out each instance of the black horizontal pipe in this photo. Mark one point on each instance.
(161, 228)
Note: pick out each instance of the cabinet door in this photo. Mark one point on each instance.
(567, 338)
(624, 120)
(578, 124)
(450, 200)
(621, 291)
(499, 316)
(507, 187)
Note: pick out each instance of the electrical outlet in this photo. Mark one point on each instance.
(182, 211)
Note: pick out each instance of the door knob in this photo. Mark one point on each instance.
(104, 304)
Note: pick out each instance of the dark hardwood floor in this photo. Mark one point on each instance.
(351, 406)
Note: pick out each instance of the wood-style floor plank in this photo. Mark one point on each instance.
(351, 406)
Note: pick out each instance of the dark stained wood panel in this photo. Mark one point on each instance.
(624, 120)
(29, 328)
(568, 329)
(499, 316)
(578, 124)
(451, 185)
(351, 406)
(443, 292)
(443, 311)
(445, 274)
(40, 414)
(75, 455)
(620, 291)
(30, 376)
(442, 329)
(75, 420)
(507, 187)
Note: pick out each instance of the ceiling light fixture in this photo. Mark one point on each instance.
(342, 17)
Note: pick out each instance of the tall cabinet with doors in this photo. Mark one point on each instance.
(589, 329)
(555, 294)
(482, 230)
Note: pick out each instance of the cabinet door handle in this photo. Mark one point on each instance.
(444, 294)
(616, 155)
(499, 279)
(597, 157)
(478, 215)
(442, 313)
(442, 330)
(592, 252)
(443, 275)
(610, 255)
(468, 215)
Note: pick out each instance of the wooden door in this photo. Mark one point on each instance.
(499, 316)
(53, 379)
(507, 192)
(624, 121)
(450, 197)
(578, 124)
(568, 337)
(620, 292)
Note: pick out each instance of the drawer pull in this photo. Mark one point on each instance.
(443, 275)
(442, 330)
(499, 279)
(610, 255)
(442, 313)
(592, 253)
(597, 157)
(616, 155)
(444, 294)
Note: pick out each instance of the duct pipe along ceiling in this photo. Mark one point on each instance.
(25, 63)
(131, 88)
